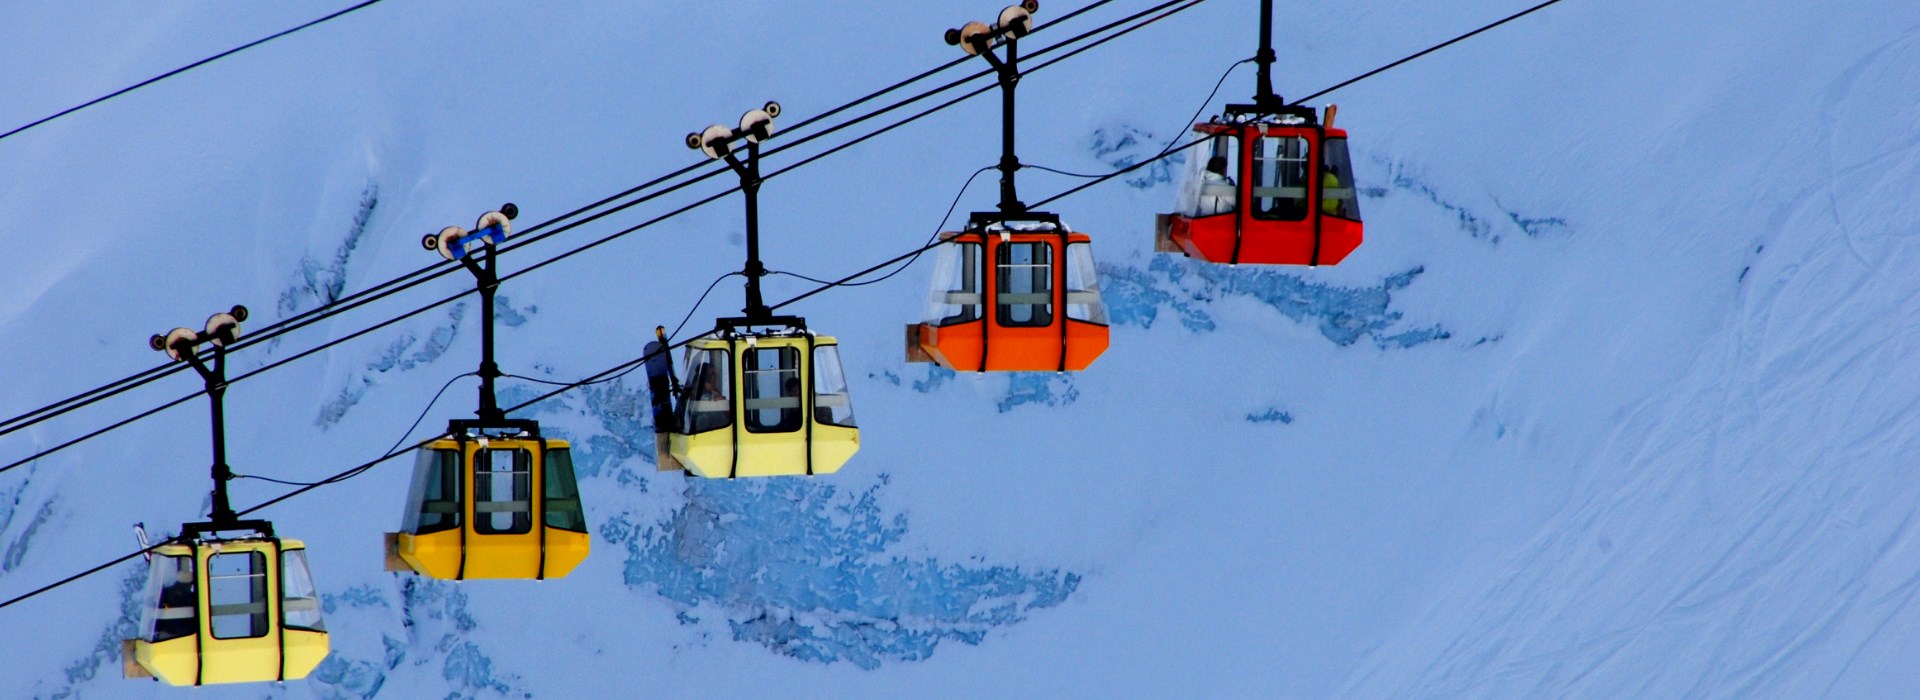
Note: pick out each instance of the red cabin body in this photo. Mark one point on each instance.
(1266, 194)
(1012, 300)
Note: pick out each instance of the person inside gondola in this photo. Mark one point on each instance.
(790, 417)
(1217, 195)
(175, 598)
(1329, 205)
(708, 388)
(705, 388)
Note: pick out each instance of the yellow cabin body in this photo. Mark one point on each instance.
(773, 404)
(492, 507)
(233, 611)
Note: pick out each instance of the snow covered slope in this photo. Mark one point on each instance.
(1614, 401)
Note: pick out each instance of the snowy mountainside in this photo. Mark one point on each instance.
(1614, 401)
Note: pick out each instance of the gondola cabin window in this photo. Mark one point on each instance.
(1025, 284)
(772, 389)
(708, 386)
(1281, 166)
(1083, 286)
(956, 291)
(299, 601)
(562, 492)
(502, 491)
(433, 505)
(1338, 195)
(832, 405)
(172, 600)
(1212, 173)
(237, 594)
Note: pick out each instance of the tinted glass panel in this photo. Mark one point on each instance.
(1025, 284)
(1083, 286)
(1213, 167)
(563, 493)
(1338, 193)
(956, 285)
(502, 491)
(237, 589)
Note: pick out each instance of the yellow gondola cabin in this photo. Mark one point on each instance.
(765, 403)
(491, 499)
(239, 610)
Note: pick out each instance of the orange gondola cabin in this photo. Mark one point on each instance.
(1269, 186)
(1012, 294)
(1017, 289)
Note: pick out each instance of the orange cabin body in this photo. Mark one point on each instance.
(1015, 300)
(1291, 199)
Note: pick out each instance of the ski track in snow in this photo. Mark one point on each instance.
(1685, 569)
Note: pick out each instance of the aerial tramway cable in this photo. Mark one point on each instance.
(408, 280)
(628, 365)
(637, 361)
(188, 67)
(404, 282)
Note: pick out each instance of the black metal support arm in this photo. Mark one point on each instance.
(749, 172)
(488, 282)
(183, 344)
(215, 375)
(1008, 72)
(1265, 100)
(980, 40)
(723, 143)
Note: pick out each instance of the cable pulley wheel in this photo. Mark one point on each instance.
(965, 34)
(1016, 20)
(225, 326)
(756, 122)
(174, 340)
(447, 241)
(494, 218)
(708, 141)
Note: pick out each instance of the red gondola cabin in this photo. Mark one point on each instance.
(1267, 189)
